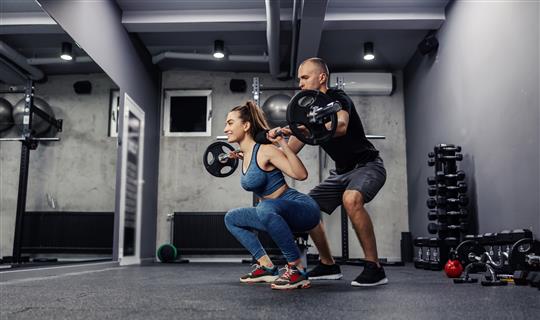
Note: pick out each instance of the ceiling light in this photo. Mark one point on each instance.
(67, 51)
(219, 52)
(368, 51)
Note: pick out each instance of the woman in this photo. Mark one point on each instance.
(282, 210)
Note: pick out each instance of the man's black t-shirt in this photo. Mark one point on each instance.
(353, 147)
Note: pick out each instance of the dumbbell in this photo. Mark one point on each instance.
(461, 200)
(442, 202)
(431, 203)
(460, 188)
(419, 243)
(433, 228)
(441, 215)
(443, 189)
(432, 191)
(434, 262)
(459, 176)
(447, 147)
(457, 157)
(439, 189)
(533, 278)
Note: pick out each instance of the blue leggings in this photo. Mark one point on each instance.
(291, 212)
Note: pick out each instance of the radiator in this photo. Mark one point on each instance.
(68, 232)
(205, 233)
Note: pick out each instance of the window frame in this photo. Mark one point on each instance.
(169, 93)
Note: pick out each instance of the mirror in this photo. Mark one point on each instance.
(64, 213)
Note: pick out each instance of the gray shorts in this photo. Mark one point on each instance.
(367, 178)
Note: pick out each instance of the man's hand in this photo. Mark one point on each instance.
(278, 131)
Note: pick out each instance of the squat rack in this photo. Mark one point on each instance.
(28, 142)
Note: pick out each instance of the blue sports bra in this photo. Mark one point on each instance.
(261, 182)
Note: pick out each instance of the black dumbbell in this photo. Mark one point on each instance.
(433, 215)
(431, 203)
(419, 244)
(431, 162)
(431, 180)
(432, 191)
(433, 228)
(441, 215)
(457, 157)
(459, 176)
(434, 262)
(448, 147)
(460, 188)
(533, 278)
(461, 200)
(520, 277)
(431, 154)
(442, 146)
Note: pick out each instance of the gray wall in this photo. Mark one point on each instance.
(78, 172)
(184, 184)
(480, 91)
(97, 27)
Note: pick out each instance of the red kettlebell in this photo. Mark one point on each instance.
(453, 268)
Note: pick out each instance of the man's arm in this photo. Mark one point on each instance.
(342, 123)
(295, 144)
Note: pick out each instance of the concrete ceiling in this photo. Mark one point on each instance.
(332, 29)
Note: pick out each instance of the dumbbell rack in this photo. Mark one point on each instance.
(447, 201)
(447, 193)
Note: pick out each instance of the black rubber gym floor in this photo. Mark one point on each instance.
(212, 291)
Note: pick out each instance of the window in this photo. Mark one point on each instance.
(187, 113)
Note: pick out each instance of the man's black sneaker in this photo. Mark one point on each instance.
(325, 272)
(371, 276)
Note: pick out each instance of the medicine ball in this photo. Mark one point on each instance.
(6, 118)
(275, 108)
(167, 253)
(39, 126)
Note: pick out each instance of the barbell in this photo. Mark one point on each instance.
(311, 116)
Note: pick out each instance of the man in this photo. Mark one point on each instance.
(358, 176)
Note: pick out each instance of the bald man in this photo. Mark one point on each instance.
(357, 178)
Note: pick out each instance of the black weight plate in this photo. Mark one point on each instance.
(517, 256)
(211, 160)
(467, 249)
(298, 111)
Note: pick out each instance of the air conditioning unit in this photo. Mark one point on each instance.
(363, 83)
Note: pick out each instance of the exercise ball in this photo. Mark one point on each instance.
(6, 118)
(39, 126)
(275, 108)
(167, 253)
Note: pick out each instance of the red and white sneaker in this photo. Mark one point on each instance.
(292, 278)
(260, 274)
